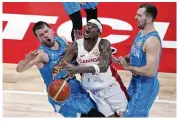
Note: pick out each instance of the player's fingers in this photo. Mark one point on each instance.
(75, 32)
(35, 52)
(67, 64)
(29, 53)
(80, 33)
(55, 71)
(114, 59)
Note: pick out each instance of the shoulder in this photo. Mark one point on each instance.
(104, 45)
(152, 42)
(104, 42)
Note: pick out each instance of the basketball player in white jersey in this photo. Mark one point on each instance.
(93, 57)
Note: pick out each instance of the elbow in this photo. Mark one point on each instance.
(104, 69)
(18, 69)
(150, 73)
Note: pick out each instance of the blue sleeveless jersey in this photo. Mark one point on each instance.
(72, 7)
(137, 56)
(142, 90)
(71, 106)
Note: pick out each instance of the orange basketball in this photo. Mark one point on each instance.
(59, 90)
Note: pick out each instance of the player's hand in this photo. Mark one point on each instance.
(71, 47)
(56, 69)
(71, 69)
(115, 60)
(31, 56)
(60, 67)
(78, 34)
(122, 61)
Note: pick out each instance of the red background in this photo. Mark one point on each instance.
(14, 51)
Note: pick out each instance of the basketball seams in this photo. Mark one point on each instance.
(63, 85)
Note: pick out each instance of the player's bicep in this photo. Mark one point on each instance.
(153, 53)
(105, 50)
(105, 54)
(45, 57)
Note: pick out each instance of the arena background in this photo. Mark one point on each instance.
(24, 94)
(119, 27)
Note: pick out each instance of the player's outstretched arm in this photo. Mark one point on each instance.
(33, 58)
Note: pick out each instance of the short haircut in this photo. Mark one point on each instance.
(150, 9)
(39, 25)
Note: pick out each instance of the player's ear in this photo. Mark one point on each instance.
(149, 19)
(99, 33)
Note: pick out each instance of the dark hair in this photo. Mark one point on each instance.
(39, 25)
(150, 9)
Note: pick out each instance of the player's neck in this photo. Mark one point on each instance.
(91, 41)
(89, 44)
(56, 46)
(148, 28)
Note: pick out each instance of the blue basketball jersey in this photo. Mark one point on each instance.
(54, 58)
(79, 100)
(72, 7)
(142, 90)
(137, 56)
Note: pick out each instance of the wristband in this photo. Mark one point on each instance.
(96, 67)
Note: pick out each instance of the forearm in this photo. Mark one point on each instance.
(23, 66)
(103, 66)
(89, 69)
(143, 71)
(69, 54)
(67, 58)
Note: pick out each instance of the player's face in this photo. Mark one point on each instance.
(141, 18)
(91, 31)
(46, 36)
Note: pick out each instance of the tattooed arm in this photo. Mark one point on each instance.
(105, 55)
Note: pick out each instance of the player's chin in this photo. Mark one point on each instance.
(87, 37)
(49, 45)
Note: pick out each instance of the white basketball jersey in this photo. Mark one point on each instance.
(91, 81)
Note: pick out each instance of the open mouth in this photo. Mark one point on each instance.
(48, 40)
(87, 32)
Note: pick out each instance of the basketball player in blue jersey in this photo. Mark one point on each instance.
(49, 53)
(73, 10)
(143, 61)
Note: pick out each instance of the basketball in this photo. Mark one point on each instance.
(59, 90)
